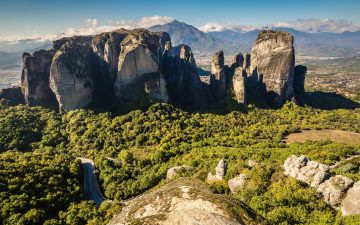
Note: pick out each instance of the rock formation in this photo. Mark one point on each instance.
(246, 63)
(334, 189)
(185, 201)
(310, 172)
(218, 76)
(35, 79)
(183, 81)
(351, 204)
(173, 171)
(12, 96)
(139, 66)
(72, 76)
(236, 182)
(220, 171)
(272, 63)
(239, 85)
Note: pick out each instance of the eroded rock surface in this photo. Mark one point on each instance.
(183, 81)
(272, 62)
(236, 182)
(35, 79)
(334, 189)
(310, 172)
(351, 203)
(239, 85)
(220, 171)
(185, 201)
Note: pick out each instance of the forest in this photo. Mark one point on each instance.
(41, 177)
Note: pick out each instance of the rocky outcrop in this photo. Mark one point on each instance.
(351, 204)
(237, 182)
(246, 64)
(185, 201)
(107, 47)
(238, 61)
(183, 81)
(239, 85)
(334, 189)
(220, 171)
(139, 66)
(173, 171)
(218, 76)
(272, 63)
(77, 78)
(35, 79)
(12, 96)
(310, 172)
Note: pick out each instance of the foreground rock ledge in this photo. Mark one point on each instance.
(186, 201)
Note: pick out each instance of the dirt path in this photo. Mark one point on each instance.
(338, 136)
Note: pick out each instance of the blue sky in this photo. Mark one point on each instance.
(26, 17)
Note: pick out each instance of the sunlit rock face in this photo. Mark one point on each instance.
(185, 201)
(272, 63)
(35, 79)
(239, 85)
(139, 64)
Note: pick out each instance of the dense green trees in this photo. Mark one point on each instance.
(132, 153)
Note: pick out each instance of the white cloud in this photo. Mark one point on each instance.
(320, 25)
(91, 23)
(92, 27)
(218, 27)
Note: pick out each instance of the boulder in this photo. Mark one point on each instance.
(334, 189)
(309, 172)
(12, 95)
(237, 182)
(351, 204)
(272, 63)
(253, 163)
(239, 81)
(173, 171)
(139, 66)
(185, 201)
(35, 79)
(220, 171)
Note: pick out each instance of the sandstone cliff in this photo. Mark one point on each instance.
(272, 63)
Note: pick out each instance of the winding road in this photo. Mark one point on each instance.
(91, 187)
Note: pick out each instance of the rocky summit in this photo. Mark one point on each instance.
(186, 201)
(123, 67)
(272, 63)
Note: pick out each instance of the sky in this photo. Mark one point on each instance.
(21, 18)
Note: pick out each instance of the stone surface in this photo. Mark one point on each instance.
(12, 95)
(238, 61)
(72, 75)
(334, 189)
(35, 79)
(310, 172)
(272, 63)
(351, 204)
(185, 201)
(218, 77)
(139, 65)
(237, 182)
(253, 163)
(239, 81)
(247, 60)
(173, 171)
(220, 171)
